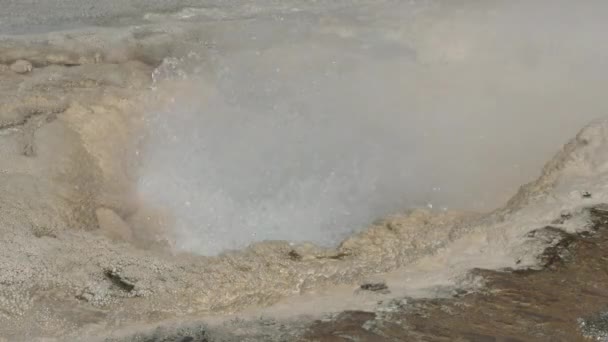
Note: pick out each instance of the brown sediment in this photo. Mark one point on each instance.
(544, 304)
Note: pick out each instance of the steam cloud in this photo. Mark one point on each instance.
(307, 127)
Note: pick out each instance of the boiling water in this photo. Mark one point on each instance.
(306, 124)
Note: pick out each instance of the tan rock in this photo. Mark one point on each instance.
(21, 66)
(151, 228)
(112, 225)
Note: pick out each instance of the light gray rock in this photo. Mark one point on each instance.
(21, 66)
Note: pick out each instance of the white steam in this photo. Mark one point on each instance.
(307, 127)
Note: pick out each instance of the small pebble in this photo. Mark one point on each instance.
(374, 287)
(21, 66)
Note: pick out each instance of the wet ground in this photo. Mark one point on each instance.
(563, 301)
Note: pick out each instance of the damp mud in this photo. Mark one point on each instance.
(177, 172)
